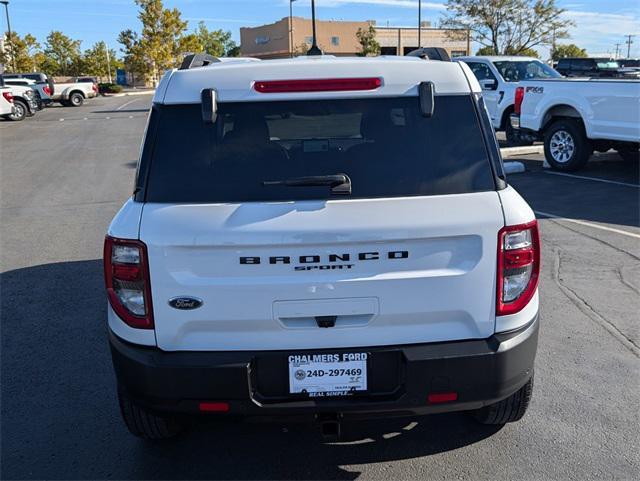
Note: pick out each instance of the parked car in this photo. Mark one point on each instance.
(42, 90)
(6, 100)
(498, 77)
(629, 63)
(73, 94)
(39, 77)
(93, 80)
(321, 244)
(24, 102)
(593, 68)
(574, 117)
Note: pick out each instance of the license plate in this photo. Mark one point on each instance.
(321, 375)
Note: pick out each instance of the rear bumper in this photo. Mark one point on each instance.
(525, 134)
(481, 372)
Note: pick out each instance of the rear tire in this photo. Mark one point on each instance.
(20, 112)
(76, 99)
(145, 424)
(508, 410)
(566, 146)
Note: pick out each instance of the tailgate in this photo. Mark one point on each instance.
(384, 271)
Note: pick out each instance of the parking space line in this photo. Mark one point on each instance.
(595, 179)
(588, 224)
(127, 103)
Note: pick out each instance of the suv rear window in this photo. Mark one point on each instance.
(384, 145)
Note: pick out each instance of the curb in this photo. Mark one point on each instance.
(528, 149)
(127, 94)
(514, 167)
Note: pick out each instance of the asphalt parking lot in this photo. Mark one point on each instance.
(64, 174)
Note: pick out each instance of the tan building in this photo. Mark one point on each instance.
(277, 40)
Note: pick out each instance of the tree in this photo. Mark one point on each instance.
(568, 50)
(159, 46)
(368, 42)
(22, 50)
(234, 52)
(526, 52)
(512, 26)
(96, 63)
(190, 43)
(486, 51)
(301, 49)
(216, 42)
(134, 59)
(61, 55)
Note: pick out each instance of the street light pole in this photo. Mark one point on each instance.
(108, 62)
(13, 52)
(629, 42)
(419, 23)
(291, 27)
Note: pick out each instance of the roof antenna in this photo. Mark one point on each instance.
(314, 50)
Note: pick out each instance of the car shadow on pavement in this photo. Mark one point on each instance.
(60, 417)
(116, 111)
(580, 198)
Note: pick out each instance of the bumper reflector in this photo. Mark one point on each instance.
(442, 397)
(214, 407)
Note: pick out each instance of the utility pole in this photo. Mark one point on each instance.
(617, 49)
(419, 23)
(314, 50)
(108, 62)
(291, 28)
(629, 42)
(13, 50)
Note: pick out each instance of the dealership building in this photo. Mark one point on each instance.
(284, 38)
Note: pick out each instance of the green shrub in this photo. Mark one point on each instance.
(109, 88)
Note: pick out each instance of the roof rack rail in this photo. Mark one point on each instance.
(430, 53)
(197, 60)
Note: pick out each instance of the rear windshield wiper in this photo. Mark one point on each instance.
(339, 183)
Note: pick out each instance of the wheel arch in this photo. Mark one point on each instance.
(76, 91)
(559, 111)
(505, 116)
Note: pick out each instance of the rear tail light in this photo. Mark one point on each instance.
(517, 101)
(317, 85)
(8, 96)
(94, 87)
(518, 267)
(126, 272)
(46, 90)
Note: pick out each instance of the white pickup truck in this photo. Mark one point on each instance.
(575, 117)
(73, 94)
(498, 77)
(6, 100)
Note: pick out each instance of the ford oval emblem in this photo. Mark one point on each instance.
(185, 303)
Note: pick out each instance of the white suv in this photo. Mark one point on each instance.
(321, 237)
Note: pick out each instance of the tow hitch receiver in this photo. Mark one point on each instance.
(329, 427)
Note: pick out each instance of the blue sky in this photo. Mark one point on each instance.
(600, 23)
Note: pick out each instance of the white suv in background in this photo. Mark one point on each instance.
(498, 77)
(310, 238)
